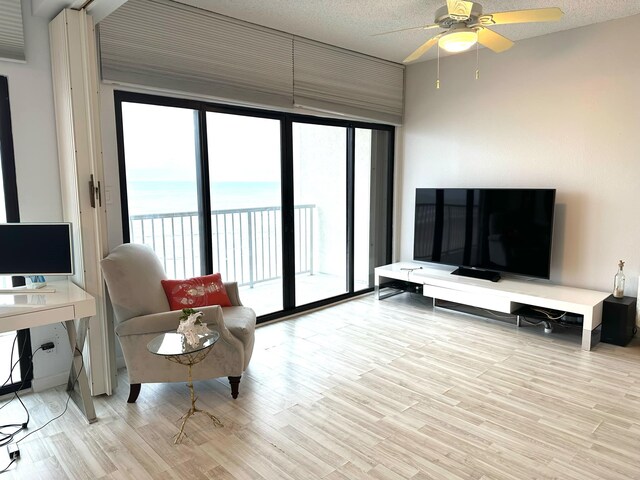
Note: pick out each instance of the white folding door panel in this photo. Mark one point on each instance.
(75, 85)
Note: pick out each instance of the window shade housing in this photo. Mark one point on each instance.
(176, 47)
(11, 33)
(337, 80)
(171, 46)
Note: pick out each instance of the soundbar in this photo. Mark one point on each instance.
(476, 273)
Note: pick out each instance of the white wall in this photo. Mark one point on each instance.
(33, 125)
(36, 157)
(559, 111)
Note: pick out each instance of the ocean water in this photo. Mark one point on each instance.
(180, 196)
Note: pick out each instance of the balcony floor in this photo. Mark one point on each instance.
(266, 297)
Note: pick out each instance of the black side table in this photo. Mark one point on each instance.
(618, 320)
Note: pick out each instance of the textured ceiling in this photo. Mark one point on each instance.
(350, 23)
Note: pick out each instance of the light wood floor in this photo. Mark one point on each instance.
(385, 389)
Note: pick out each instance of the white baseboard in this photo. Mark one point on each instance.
(45, 383)
(120, 362)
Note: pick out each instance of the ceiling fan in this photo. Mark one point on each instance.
(465, 25)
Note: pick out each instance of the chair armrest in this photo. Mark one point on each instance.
(218, 324)
(167, 321)
(233, 293)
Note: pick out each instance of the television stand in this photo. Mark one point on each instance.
(475, 273)
(507, 296)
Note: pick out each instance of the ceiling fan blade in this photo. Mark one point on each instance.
(422, 49)
(522, 16)
(459, 9)
(421, 27)
(493, 40)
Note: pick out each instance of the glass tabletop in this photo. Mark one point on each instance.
(176, 344)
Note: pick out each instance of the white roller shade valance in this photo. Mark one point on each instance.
(172, 46)
(11, 34)
(337, 80)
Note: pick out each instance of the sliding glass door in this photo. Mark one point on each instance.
(161, 191)
(372, 200)
(246, 216)
(320, 195)
(295, 209)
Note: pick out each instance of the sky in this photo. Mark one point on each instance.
(160, 145)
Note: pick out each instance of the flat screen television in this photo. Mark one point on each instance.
(485, 232)
(31, 249)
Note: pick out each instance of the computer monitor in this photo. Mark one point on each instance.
(33, 249)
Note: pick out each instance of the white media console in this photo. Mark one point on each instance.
(505, 296)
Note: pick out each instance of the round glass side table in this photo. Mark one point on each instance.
(174, 347)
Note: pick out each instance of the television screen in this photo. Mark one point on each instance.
(501, 230)
(36, 249)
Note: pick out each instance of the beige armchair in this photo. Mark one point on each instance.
(133, 273)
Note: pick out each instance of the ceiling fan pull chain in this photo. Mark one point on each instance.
(438, 70)
(477, 61)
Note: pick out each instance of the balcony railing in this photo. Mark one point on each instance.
(246, 242)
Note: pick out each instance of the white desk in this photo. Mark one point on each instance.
(67, 304)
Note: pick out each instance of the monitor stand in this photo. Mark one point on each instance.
(36, 281)
(474, 273)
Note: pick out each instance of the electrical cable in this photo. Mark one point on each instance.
(10, 371)
(7, 437)
(557, 323)
(66, 404)
(534, 321)
(538, 321)
(23, 381)
(15, 340)
(490, 312)
(13, 460)
(547, 314)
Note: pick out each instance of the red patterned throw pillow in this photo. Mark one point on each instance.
(196, 292)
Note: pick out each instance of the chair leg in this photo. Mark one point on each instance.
(235, 384)
(134, 391)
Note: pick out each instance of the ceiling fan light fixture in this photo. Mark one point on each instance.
(458, 40)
